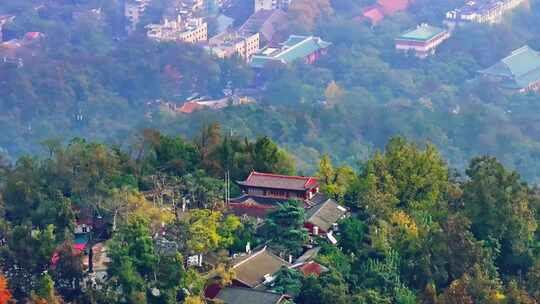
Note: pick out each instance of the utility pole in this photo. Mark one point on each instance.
(227, 187)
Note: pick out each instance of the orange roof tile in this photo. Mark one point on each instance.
(373, 13)
(312, 268)
(190, 107)
(390, 7)
(279, 181)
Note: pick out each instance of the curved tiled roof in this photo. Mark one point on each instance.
(251, 270)
(520, 68)
(278, 181)
(237, 295)
(295, 48)
(326, 214)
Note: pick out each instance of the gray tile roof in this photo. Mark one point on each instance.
(251, 270)
(237, 295)
(325, 214)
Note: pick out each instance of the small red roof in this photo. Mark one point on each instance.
(79, 247)
(376, 13)
(278, 181)
(312, 268)
(77, 250)
(373, 13)
(390, 7)
(190, 107)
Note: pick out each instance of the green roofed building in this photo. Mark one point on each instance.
(307, 48)
(519, 71)
(423, 40)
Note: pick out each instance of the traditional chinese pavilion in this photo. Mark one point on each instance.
(306, 48)
(423, 40)
(520, 71)
(279, 186)
(263, 191)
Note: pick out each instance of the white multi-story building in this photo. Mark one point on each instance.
(133, 10)
(190, 31)
(271, 4)
(232, 43)
(5, 19)
(481, 11)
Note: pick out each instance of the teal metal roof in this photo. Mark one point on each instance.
(521, 68)
(294, 39)
(259, 62)
(80, 239)
(302, 48)
(524, 80)
(522, 61)
(296, 47)
(499, 69)
(422, 33)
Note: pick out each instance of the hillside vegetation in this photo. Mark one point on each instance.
(418, 233)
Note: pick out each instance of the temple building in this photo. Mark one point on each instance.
(279, 186)
(306, 48)
(261, 192)
(423, 40)
(520, 71)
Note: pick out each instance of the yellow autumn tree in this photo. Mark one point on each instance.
(405, 223)
(226, 275)
(127, 201)
(193, 300)
(334, 181)
(209, 230)
(334, 94)
(203, 230)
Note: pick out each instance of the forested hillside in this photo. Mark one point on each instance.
(416, 233)
(84, 79)
(381, 177)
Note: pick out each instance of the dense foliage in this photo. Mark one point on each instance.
(85, 79)
(135, 194)
(430, 223)
(418, 232)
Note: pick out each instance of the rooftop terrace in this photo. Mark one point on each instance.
(423, 32)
